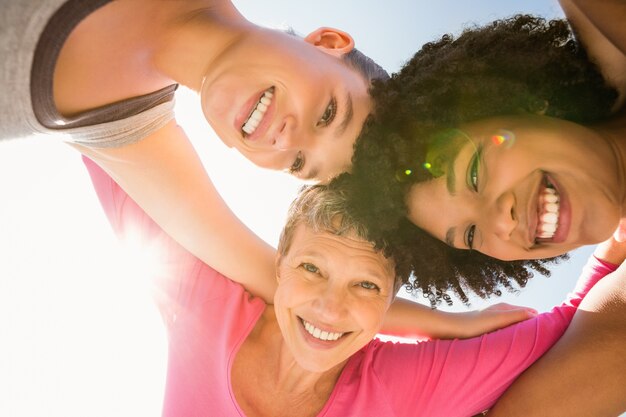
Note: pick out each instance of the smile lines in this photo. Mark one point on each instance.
(320, 334)
(257, 114)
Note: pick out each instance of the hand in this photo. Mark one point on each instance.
(496, 317)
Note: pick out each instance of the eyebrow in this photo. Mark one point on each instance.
(451, 186)
(451, 154)
(347, 116)
(450, 175)
(340, 130)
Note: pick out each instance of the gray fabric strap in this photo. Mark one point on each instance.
(48, 48)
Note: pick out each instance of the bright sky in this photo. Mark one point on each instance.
(79, 335)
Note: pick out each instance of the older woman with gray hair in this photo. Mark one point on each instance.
(314, 352)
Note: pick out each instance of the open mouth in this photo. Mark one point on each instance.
(548, 211)
(320, 334)
(250, 125)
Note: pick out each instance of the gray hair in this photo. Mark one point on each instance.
(324, 208)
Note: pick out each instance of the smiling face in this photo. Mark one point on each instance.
(523, 187)
(288, 103)
(333, 293)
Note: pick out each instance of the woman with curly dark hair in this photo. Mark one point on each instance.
(486, 157)
(502, 136)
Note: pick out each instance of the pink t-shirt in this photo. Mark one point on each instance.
(208, 317)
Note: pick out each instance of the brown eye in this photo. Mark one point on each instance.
(298, 164)
(329, 113)
(472, 172)
(469, 236)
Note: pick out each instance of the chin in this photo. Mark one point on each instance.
(313, 363)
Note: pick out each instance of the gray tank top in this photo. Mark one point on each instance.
(31, 36)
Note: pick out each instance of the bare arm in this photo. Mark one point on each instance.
(584, 374)
(164, 175)
(600, 27)
(408, 319)
(608, 16)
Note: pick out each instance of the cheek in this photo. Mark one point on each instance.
(511, 164)
(502, 251)
(267, 159)
(291, 291)
(220, 95)
(371, 315)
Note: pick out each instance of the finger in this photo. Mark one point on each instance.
(514, 316)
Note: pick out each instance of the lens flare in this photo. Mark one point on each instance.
(503, 137)
(403, 175)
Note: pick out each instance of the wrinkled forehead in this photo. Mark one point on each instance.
(344, 243)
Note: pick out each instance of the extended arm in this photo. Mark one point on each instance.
(476, 371)
(412, 320)
(584, 374)
(599, 25)
(164, 175)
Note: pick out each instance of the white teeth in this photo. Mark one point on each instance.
(551, 207)
(549, 218)
(548, 228)
(550, 198)
(257, 114)
(320, 334)
(549, 213)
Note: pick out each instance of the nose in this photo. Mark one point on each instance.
(290, 136)
(331, 304)
(502, 218)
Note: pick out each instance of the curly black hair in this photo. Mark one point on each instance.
(519, 65)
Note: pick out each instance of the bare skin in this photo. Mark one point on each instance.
(127, 49)
(98, 76)
(584, 374)
(599, 25)
(298, 375)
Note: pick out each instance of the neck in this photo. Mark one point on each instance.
(193, 35)
(286, 376)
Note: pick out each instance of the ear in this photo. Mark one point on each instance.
(331, 41)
